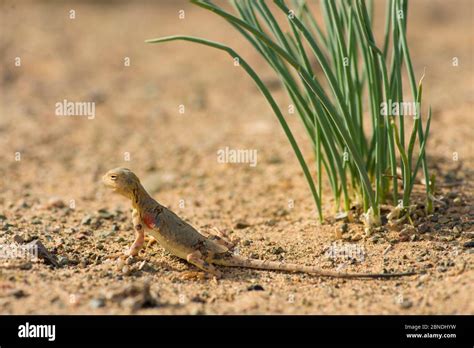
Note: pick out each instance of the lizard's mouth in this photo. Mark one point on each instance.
(112, 188)
(109, 184)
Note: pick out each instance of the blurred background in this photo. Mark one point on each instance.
(138, 106)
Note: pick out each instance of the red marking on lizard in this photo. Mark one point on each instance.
(149, 220)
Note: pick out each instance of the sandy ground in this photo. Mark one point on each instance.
(50, 169)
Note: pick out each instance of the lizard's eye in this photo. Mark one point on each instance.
(113, 177)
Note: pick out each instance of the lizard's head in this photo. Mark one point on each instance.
(121, 180)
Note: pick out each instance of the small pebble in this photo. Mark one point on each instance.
(18, 293)
(70, 230)
(97, 303)
(423, 277)
(130, 260)
(56, 202)
(105, 214)
(469, 244)
(255, 287)
(63, 261)
(424, 228)
(405, 304)
(443, 220)
(84, 262)
(23, 204)
(126, 270)
(86, 220)
(277, 250)
(271, 222)
(81, 236)
(407, 230)
(241, 225)
(26, 266)
(198, 299)
(142, 265)
(344, 228)
(404, 238)
(120, 264)
(281, 212)
(246, 242)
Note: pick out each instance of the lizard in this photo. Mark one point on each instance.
(182, 240)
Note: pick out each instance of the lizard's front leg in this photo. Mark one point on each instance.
(139, 234)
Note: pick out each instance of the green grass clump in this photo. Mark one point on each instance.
(356, 77)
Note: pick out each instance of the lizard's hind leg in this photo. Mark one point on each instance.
(150, 240)
(196, 259)
(222, 238)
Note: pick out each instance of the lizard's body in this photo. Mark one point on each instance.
(184, 241)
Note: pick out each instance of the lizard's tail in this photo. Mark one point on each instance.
(237, 261)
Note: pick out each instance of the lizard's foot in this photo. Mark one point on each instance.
(195, 258)
(151, 241)
(187, 275)
(222, 238)
(137, 244)
(134, 249)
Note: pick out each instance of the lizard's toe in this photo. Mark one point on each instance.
(133, 251)
(187, 275)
